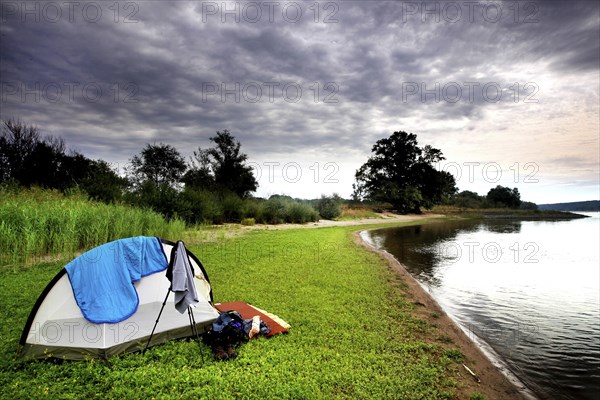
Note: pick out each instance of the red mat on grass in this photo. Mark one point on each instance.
(247, 312)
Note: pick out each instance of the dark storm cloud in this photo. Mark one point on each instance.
(156, 74)
(567, 35)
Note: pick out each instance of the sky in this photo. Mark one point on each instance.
(508, 90)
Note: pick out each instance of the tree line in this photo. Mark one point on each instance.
(216, 185)
(497, 197)
(403, 174)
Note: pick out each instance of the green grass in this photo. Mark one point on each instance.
(354, 334)
(36, 223)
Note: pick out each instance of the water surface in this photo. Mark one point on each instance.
(530, 290)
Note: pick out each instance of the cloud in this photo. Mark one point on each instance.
(327, 82)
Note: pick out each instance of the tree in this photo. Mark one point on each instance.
(29, 159)
(45, 166)
(223, 167)
(103, 183)
(504, 197)
(18, 142)
(200, 176)
(158, 164)
(468, 199)
(401, 173)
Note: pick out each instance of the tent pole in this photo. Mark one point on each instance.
(156, 323)
(195, 330)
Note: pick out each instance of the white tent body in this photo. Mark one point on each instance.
(57, 327)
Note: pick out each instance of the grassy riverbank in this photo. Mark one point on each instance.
(355, 333)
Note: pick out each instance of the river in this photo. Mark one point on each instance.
(527, 291)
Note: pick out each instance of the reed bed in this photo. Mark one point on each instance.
(39, 223)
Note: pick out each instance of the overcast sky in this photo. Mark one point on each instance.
(509, 91)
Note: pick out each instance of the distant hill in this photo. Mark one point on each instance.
(592, 205)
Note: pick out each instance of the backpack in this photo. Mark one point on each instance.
(227, 328)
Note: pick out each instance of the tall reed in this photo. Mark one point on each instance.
(36, 223)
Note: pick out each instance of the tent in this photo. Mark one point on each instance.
(66, 324)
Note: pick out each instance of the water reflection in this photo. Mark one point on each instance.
(423, 247)
(499, 227)
(529, 289)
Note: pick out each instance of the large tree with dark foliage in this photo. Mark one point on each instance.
(26, 157)
(403, 174)
(501, 196)
(156, 174)
(158, 164)
(222, 167)
(200, 175)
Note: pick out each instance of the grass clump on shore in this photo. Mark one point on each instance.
(35, 223)
(351, 212)
(353, 334)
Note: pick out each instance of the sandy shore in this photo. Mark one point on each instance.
(384, 218)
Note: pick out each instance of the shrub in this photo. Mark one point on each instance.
(161, 198)
(233, 207)
(300, 213)
(200, 207)
(527, 205)
(330, 207)
(280, 209)
(248, 222)
(274, 211)
(254, 208)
